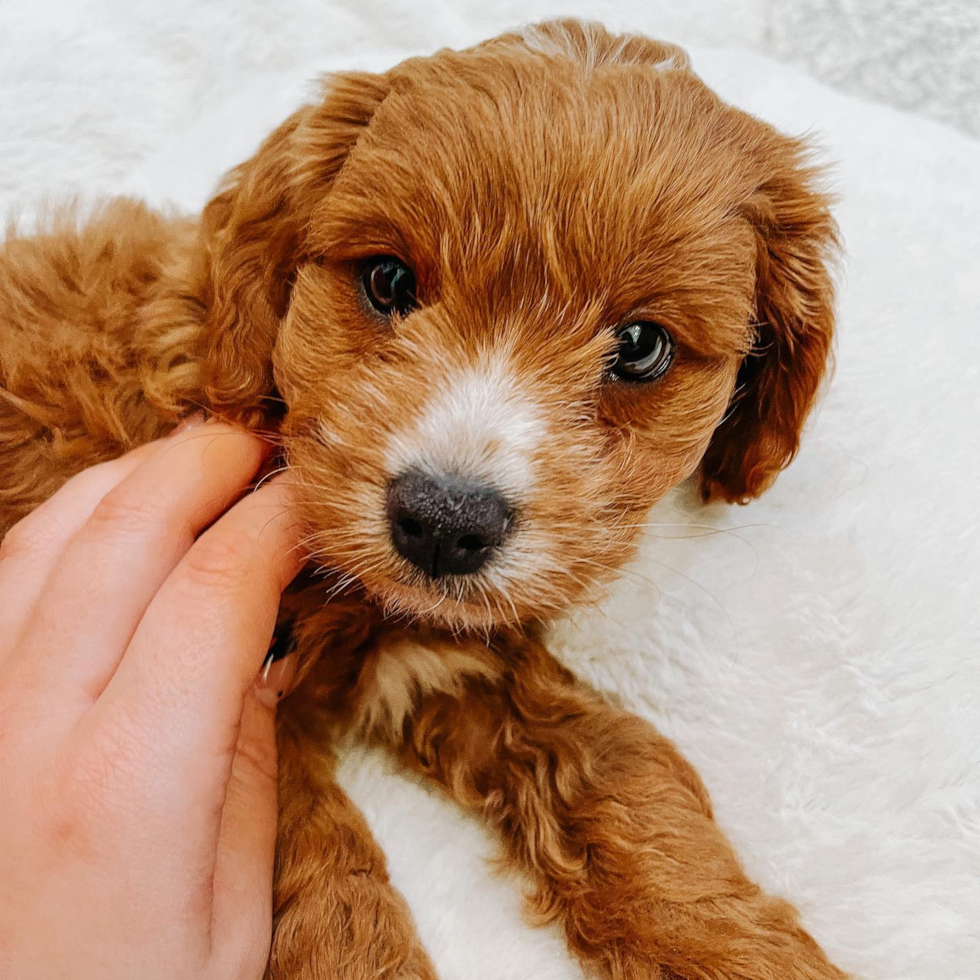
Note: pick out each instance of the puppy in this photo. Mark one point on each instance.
(494, 303)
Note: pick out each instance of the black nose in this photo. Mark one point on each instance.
(445, 526)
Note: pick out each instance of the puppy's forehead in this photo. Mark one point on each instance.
(624, 180)
(624, 146)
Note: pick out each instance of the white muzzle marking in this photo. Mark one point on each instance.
(480, 427)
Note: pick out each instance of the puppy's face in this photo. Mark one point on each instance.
(515, 318)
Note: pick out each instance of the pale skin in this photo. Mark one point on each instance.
(137, 747)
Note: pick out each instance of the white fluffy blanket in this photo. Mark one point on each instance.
(816, 654)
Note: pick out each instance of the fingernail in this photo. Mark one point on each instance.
(187, 423)
(275, 679)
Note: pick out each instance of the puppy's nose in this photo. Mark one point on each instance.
(445, 526)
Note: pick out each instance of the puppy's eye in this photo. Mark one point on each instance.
(389, 285)
(645, 351)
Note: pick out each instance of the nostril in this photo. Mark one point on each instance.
(410, 527)
(471, 542)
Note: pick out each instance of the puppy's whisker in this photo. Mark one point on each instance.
(268, 476)
(632, 573)
(610, 570)
(302, 544)
(710, 528)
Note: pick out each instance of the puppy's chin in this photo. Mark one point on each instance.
(489, 600)
(457, 604)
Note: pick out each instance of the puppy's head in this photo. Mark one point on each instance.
(509, 297)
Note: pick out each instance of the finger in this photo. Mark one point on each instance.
(33, 547)
(242, 905)
(197, 651)
(35, 544)
(116, 562)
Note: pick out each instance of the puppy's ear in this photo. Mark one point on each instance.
(254, 236)
(796, 241)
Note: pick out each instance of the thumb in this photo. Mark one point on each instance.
(242, 904)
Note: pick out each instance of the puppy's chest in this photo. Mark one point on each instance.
(403, 668)
(367, 673)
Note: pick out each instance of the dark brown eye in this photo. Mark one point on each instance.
(389, 285)
(645, 351)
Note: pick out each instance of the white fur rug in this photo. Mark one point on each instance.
(816, 654)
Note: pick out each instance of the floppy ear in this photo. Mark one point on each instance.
(254, 235)
(796, 240)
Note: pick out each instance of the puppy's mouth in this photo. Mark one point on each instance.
(446, 527)
(451, 551)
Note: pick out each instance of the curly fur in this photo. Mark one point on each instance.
(545, 186)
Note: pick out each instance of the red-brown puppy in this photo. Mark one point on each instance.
(495, 303)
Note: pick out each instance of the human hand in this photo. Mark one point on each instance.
(137, 758)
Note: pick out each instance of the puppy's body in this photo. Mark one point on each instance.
(543, 190)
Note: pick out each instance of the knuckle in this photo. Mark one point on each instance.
(63, 813)
(65, 829)
(20, 541)
(256, 763)
(120, 510)
(220, 560)
(86, 792)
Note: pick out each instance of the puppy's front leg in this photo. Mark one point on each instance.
(337, 915)
(612, 823)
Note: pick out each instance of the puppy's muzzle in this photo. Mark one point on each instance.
(444, 525)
